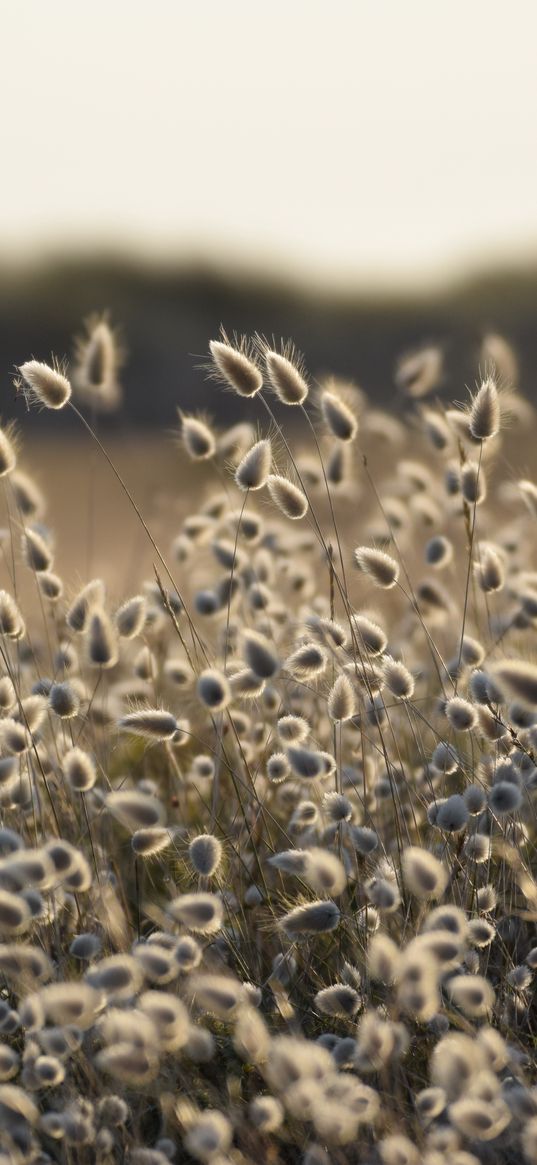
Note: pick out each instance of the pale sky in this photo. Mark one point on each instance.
(362, 141)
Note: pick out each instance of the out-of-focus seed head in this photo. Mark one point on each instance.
(8, 455)
(378, 565)
(99, 354)
(102, 646)
(260, 655)
(134, 810)
(439, 552)
(11, 621)
(92, 595)
(201, 912)
(214, 690)
(418, 373)
(473, 483)
(131, 616)
(338, 416)
(424, 875)
(197, 437)
(490, 570)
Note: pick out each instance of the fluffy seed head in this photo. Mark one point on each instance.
(131, 616)
(234, 442)
(85, 946)
(286, 378)
(11, 620)
(307, 661)
(490, 570)
(306, 763)
(291, 861)
(461, 714)
(47, 385)
(92, 595)
(311, 918)
(79, 770)
(477, 847)
(205, 853)
(187, 953)
(28, 497)
(341, 700)
(398, 679)
(418, 373)
(252, 472)
(265, 1113)
(452, 814)
(377, 565)
(340, 1001)
(278, 767)
(485, 412)
(472, 653)
(149, 841)
(473, 483)
(14, 913)
(8, 456)
(218, 994)
(287, 496)
(236, 368)
(472, 993)
(70, 1003)
(50, 585)
(370, 637)
(324, 872)
(134, 810)
(102, 646)
(36, 553)
(439, 551)
(339, 418)
(292, 729)
(260, 655)
(214, 690)
(519, 678)
(99, 356)
(64, 700)
(202, 913)
(151, 723)
(383, 959)
(423, 874)
(444, 758)
(479, 1119)
(198, 439)
(209, 1136)
(505, 798)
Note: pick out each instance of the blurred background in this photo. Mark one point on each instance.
(358, 175)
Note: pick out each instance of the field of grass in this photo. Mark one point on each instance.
(268, 776)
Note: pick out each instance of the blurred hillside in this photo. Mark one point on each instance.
(168, 316)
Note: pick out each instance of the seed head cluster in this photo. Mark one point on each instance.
(268, 867)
